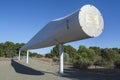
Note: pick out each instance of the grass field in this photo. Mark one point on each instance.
(44, 69)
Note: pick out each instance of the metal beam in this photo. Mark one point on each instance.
(19, 55)
(27, 60)
(61, 64)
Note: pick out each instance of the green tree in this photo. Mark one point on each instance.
(66, 57)
(96, 49)
(10, 49)
(34, 54)
(84, 57)
(55, 51)
(1, 50)
(9, 46)
(108, 54)
(70, 51)
(82, 48)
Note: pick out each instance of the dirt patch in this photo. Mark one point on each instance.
(5, 60)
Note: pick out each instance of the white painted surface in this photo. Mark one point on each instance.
(85, 23)
(61, 65)
(19, 55)
(27, 59)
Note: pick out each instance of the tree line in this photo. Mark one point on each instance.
(10, 49)
(85, 57)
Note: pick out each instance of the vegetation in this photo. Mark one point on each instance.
(10, 49)
(81, 58)
(85, 57)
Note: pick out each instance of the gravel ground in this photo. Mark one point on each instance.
(39, 69)
(35, 70)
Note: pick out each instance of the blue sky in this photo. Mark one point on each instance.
(20, 20)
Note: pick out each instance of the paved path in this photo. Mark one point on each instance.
(44, 70)
(35, 70)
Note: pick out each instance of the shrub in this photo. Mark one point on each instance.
(66, 57)
(48, 55)
(82, 63)
(117, 64)
(55, 59)
(105, 63)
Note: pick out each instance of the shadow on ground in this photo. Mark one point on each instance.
(71, 73)
(92, 74)
(19, 68)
